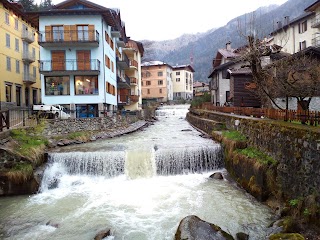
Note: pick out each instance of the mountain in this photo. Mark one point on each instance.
(203, 46)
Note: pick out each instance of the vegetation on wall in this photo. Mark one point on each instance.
(197, 101)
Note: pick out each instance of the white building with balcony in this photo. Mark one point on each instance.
(79, 41)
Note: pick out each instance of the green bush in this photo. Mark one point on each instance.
(234, 135)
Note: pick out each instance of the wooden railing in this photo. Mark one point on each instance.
(302, 116)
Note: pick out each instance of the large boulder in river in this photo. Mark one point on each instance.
(193, 228)
(102, 234)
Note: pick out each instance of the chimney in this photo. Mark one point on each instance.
(286, 20)
(228, 46)
(279, 24)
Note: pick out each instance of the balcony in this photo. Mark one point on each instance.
(121, 43)
(123, 62)
(123, 100)
(133, 81)
(27, 36)
(315, 22)
(28, 78)
(115, 32)
(70, 66)
(28, 57)
(123, 82)
(133, 64)
(315, 41)
(134, 98)
(83, 38)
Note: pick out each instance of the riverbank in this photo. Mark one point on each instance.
(286, 179)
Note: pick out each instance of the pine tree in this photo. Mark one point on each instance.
(28, 5)
(46, 4)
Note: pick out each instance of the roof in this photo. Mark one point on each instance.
(200, 84)
(240, 71)
(83, 7)
(186, 67)
(297, 19)
(153, 63)
(313, 6)
(221, 67)
(226, 53)
(17, 8)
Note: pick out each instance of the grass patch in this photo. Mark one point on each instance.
(234, 135)
(27, 141)
(258, 155)
(20, 173)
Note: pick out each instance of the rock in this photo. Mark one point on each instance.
(193, 228)
(242, 236)
(217, 175)
(102, 234)
(52, 224)
(286, 236)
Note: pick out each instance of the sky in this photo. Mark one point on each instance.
(169, 19)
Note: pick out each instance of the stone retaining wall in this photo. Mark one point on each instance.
(60, 127)
(295, 147)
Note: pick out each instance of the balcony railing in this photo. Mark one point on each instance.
(134, 98)
(123, 100)
(28, 56)
(123, 62)
(27, 36)
(70, 65)
(120, 42)
(28, 78)
(315, 22)
(316, 40)
(133, 81)
(133, 63)
(123, 82)
(69, 38)
(115, 32)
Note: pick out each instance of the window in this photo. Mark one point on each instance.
(16, 24)
(86, 85)
(7, 18)
(148, 74)
(186, 75)
(148, 83)
(8, 63)
(87, 110)
(178, 80)
(303, 26)
(57, 85)
(302, 45)
(160, 82)
(7, 40)
(141, 83)
(148, 91)
(160, 74)
(160, 90)
(34, 96)
(17, 66)
(34, 71)
(57, 32)
(227, 96)
(177, 73)
(8, 92)
(82, 32)
(18, 95)
(16, 45)
(33, 52)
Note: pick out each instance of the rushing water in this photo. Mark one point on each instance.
(139, 185)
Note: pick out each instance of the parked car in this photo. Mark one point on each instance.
(51, 111)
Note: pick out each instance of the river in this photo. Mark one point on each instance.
(139, 185)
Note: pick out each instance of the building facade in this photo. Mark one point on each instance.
(132, 53)
(182, 78)
(78, 57)
(157, 81)
(19, 56)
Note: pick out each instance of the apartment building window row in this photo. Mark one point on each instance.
(303, 26)
(59, 33)
(109, 40)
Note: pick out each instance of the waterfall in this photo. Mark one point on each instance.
(188, 160)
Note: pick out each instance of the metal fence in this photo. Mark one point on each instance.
(18, 118)
(300, 116)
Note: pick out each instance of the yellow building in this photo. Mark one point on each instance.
(19, 58)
